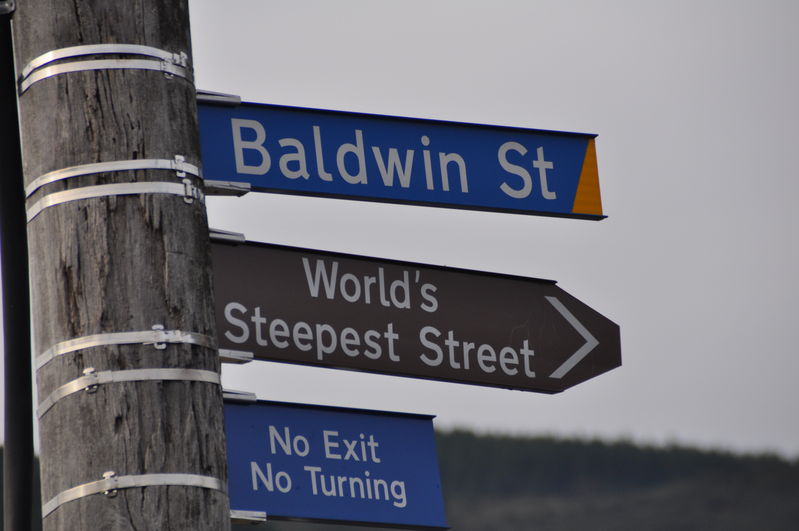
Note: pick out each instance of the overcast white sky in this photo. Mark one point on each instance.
(695, 106)
(696, 110)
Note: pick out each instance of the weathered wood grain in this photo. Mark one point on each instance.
(116, 265)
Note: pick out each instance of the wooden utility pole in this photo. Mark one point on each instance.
(130, 417)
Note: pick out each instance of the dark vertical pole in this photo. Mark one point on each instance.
(131, 430)
(18, 452)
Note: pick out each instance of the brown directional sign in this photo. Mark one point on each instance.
(334, 310)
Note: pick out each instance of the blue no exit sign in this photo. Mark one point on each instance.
(327, 464)
(401, 160)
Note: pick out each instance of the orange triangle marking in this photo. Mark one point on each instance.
(588, 200)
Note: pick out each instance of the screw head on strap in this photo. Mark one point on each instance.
(109, 476)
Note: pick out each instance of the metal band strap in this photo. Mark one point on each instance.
(175, 64)
(91, 380)
(186, 189)
(102, 49)
(103, 64)
(157, 337)
(111, 483)
(178, 164)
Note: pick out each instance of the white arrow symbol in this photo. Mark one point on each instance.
(590, 341)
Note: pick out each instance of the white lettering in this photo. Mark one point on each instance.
(428, 166)
(508, 356)
(403, 286)
(322, 338)
(313, 470)
(391, 336)
(239, 145)
(284, 442)
(444, 160)
(353, 295)
(542, 166)
(242, 325)
(485, 354)
(364, 488)
(527, 180)
(302, 334)
(328, 279)
(298, 157)
(527, 353)
(329, 444)
(320, 161)
(431, 303)
(460, 354)
(281, 480)
(432, 362)
(323, 347)
(349, 339)
(375, 351)
(356, 149)
(278, 332)
(259, 321)
(394, 167)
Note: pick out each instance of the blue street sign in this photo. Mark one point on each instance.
(328, 464)
(401, 160)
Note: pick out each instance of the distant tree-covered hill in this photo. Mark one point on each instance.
(546, 483)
